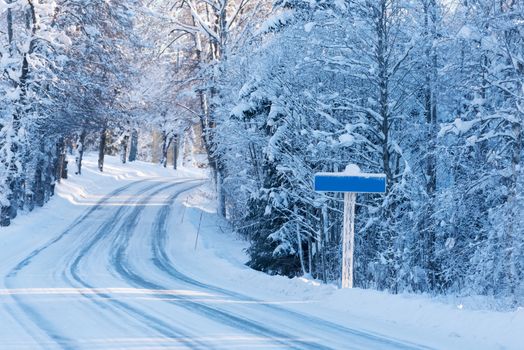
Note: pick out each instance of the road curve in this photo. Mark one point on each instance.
(107, 282)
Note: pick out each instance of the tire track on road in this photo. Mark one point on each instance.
(164, 263)
(129, 223)
(246, 325)
(26, 261)
(35, 317)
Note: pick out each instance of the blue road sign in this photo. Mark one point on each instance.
(351, 181)
(341, 182)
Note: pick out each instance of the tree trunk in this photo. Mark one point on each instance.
(80, 152)
(9, 26)
(383, 85)
(133, 148)
(59, 159)
(123, 148)
(310, 255)
(513, 219)
(5, 219)
(49, 175)
(101, 149)
(175, 151)
(299, 241)
(430, 94)
(36, 185)
(9, 211)
(166, 141)
(39, 187)
(430, 106)
(220, 194)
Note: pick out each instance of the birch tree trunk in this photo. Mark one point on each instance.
(123, 148)
(80, 152)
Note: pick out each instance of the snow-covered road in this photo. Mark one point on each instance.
(119, 269)
(108, 282)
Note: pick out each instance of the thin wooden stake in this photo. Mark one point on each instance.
(198, 231)
(184, 211)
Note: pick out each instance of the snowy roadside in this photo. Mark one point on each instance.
(443, 323)
(219, 260)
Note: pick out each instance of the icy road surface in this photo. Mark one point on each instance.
(107, 274)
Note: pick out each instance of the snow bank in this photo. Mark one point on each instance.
(444, 323)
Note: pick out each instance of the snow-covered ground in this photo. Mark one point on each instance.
(136, 258)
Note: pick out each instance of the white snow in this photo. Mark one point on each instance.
(458, 127)
(309, 26)
(442, 323)
(469, 33)
(276, 21)
(346, 139)
(352, 170)
(202, 247)
(340, 4)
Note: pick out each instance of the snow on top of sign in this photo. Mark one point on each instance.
(352, 170)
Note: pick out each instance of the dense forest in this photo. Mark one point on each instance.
(428, 92)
